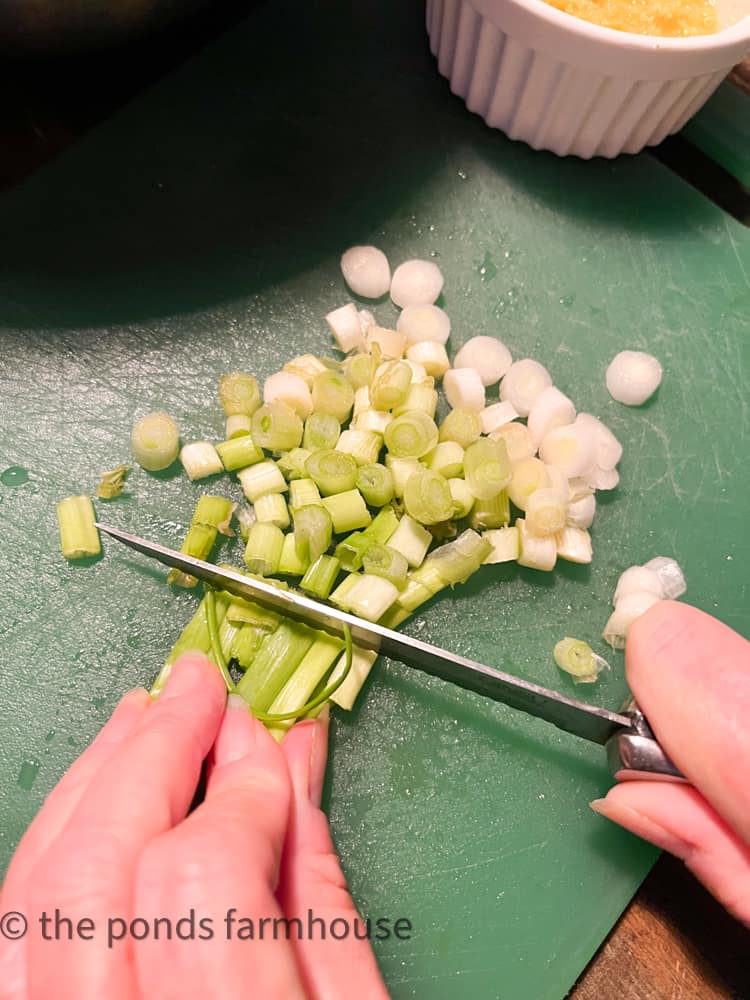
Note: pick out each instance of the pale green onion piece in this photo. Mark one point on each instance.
(546, 512)
(239, 452)
(239, 393)
(550, 409)
(290, 563)
(447, 459)
(243, 612)
(670, 576)
(517, 439)
(358, 370)
(271, 509)
(535, 552)
(392, 344)
(193, 636)
(414, 595)
(411, 540)
(346, 328)
(333, 471)
(350, 552)
(492, 513)
(216, 512)
(416, 283)
(245, 645)
(463, 498)
(402, 469)
(214, 637)
(419, 396)
(340, 596)
(360, 667)
(312, 532)
(257, 480)
(496, 415)
(394, 616)
(382, 560)
(427, 498)
(363, 446)
(627, 610)
(361, 401)
(332, 393)
(418, 374)
(295, 699)
(529, 475)
(431, 355)
(277, 659)
(574, 545)
(79, 537)
(155, 441)
(456, 561)
(464, 390)
(375, 483)
(487, 468)
(237, 425)
(212, 514)
(461, 426)
(370, 596)
(505, 544)
(289, 388)
(293, 464)
(277, 427)
(372, 420)
(263, 550)
(246, 519)
(579, 660)
(113, 482)
(411, 436)
(383, 526)
(200, 459)
(321, 576)
(307, 366)
(322, 430)
(303, 493)
(524, 381)
(488, 356)
(348, 511)
(444, 531)
(390, 385)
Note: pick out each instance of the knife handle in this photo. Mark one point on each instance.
(635, 753)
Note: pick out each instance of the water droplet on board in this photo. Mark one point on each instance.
(14, 475)
(27, 774)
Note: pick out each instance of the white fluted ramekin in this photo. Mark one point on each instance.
(560, 83)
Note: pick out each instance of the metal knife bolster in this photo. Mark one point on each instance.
(634, 754)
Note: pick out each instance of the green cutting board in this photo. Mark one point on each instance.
(199, 231)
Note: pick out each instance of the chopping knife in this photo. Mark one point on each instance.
(632, 750)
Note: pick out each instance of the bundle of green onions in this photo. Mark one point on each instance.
(358, 496)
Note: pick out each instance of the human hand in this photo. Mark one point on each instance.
(114, 840)
(690, 675)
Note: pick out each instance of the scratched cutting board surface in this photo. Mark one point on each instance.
(199, 231)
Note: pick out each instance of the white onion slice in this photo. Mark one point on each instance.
(432, 355)
(366, 271)
(464, 390)
(550, 409)
(290, 389)
(602, 479)
(496, 416)
(366, 320)
(523, 382)
(486, 355)
(416, 283)
(670, 576)
(608, 448)
(570, 448)
(581, 511)
(628, 609)
(424, 323)
(517, 439)
(346, 328)
(635, 579)
(633, 377)
(574, 545)
(392, 343)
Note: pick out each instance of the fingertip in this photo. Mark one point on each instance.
(241, 735)
(193, 672)
(305, 747)
(658, 636)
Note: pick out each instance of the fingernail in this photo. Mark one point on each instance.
(237, 701)
(318, 757)
(642, 826)
(188, 673)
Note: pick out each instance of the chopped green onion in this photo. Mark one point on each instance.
(461, 426)
(307, 366)
(390, 385)
(239, 452)
(456, 561)
(237, 425)
(505, 545)
(358, 370)
(332, 393)
(321, 576)
(464, 389)
(200, 459)
(529, 475)
(447, 459)
(247, 641)
(492, 513)
(348, 511)
(518, 441)
(303, 493)
(427, 498)
(535, 552)
(487, 468)
(263, 549)
(352, 676)
(463, 498)
(419, 396)
(322, 430)
(370, 596)
(271, 509)
(392, 343)
(277, 427)
(291, 389)
(383, 526)
(290, 563)
(375, 483)
(546, 512)
(265, 477)
(363, 446)
(292, 464)
(411, 540)
(79, 536)
(402, 469)
(113, 482)
(215, 512)
(193, 636)
(372, 420)
(340, 596)
(246, 518)
(414, 595)
(351, 550)
(574, 545)
(444, 530)
(382, 560)
(243, 612)
(155, 441)
(312, 532)
(217, 653)
(432, 355)
(212, 514)
(411, 436)
(276, 661)
(579, 660)
(239, 394)
(333, 471)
